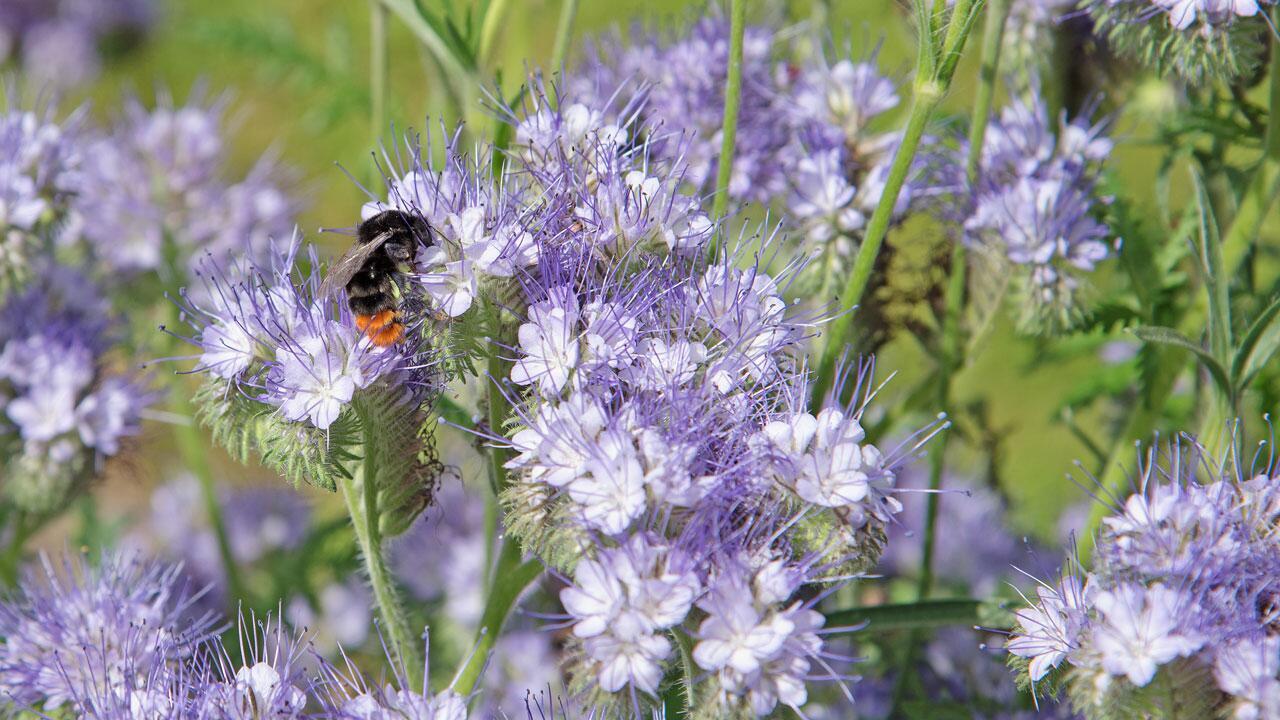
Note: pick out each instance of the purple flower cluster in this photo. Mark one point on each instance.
(1182, 590)
(149, 193)
(57, 42)
(63, 410)
(264, 332)
(662, 442)
(156, 183)
(1031, 210)
(121, 639)
(100, 640)
(40, 175)
(808, 140)
(683, 79)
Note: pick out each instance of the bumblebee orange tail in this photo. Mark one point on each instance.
(387, 335)
(376, 321)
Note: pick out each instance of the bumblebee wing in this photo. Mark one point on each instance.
(341, 272)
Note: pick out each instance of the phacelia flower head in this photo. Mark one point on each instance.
(96, 640)
(1183, 580)
(157, 179)
(267, 679)
(40, 175)
(265, 333)
(1199, 40)
(345, 693)
(63, 411)
(683, 78)
(60, 44)
(289, 376)
(1033, 212)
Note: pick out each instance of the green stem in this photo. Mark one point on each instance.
(564, 32)
(732, 101)
(361, 496)
(511, 579)
(489, 31)
(952, 347)
(377, 68)
(1264, 186)
(992, 43)
(927, 98)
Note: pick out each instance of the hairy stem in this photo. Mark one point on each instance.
(732, 101)
(923, 105)
(361, 496)
(992, 44)
(564, 32)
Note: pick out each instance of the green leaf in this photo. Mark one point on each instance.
(1258, 347)
(1169, 336)
(1216, 282)
(299, 451)
(908, 616)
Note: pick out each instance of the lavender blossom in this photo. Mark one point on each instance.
(40, 164)
(158, 176)
(265, 333)
(345, 693)
(59, 43)
(683, 79)
(1183, 579)
(1032, 212)
(64, 411)
(267, 681)
(99, 640)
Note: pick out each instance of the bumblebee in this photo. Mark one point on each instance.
(386, 246)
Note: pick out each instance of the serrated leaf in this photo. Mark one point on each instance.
(1171, 337)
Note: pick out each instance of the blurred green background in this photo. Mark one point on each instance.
(298, 75)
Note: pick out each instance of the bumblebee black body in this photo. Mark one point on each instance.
(386, 242)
